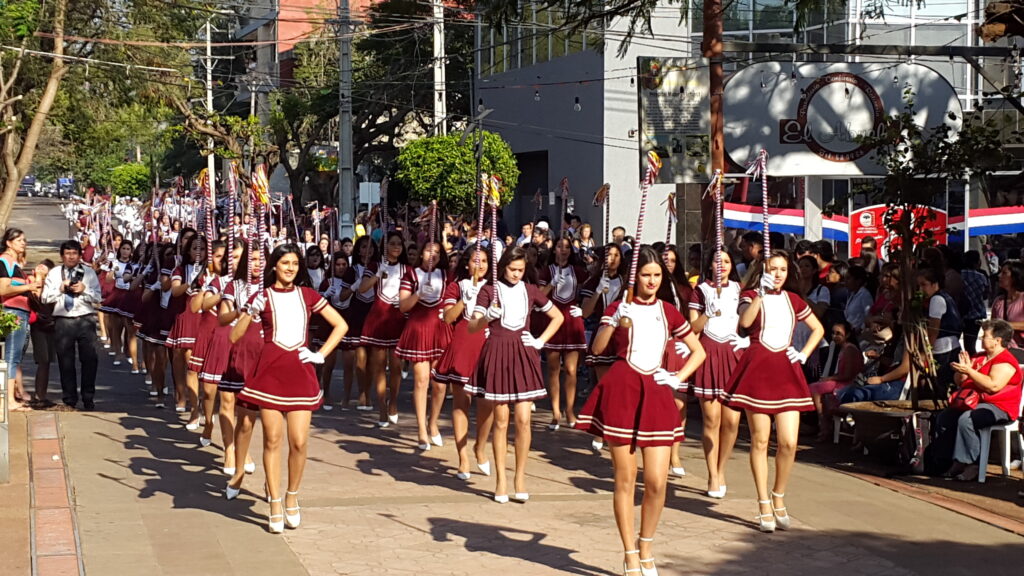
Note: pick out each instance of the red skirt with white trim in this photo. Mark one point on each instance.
(242, 358)
(460, 359)
(113, 303)
(508, 371)
(766, 382)
(355, 317)
(154, 321)
(186, 327)
(214, 360)
(282, 382)
(714, 373)
(383, 326)
(628, 407)
(570, 335)
(131, 303)
(425, 336)
(206, 330)
(606, 358)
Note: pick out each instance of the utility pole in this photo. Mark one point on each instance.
(440, 96)
(211, 166)
(346, 172)
(712, 48)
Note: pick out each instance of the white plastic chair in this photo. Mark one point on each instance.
(1007, 430)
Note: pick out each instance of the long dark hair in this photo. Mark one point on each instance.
(122, 245)
(792, 283)
(623, 269)
(649, 255)
(572, 260)
(442, 255)
(710, 265)
(403, 258)
(357, 248)
(1016, 268)
(509, 256)
(186, 256)
(462, 270)
(270, 273)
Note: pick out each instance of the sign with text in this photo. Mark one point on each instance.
(810, 116)
(870, 222)
(675, 117)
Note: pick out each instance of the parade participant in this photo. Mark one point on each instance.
(598, 294)
(461, 357)
(185, 282)
(153, 321)
(675, 289)
(633, 408)
(284, 384)
(383, 326)
(338, 293)
(363, 253)
(118, 275)
(241, 358)
(714, 315)
(425, 337)
(561, 282)
(315, 267)
(509, 369)
(769, 381)
(207, 288)
(130, 305)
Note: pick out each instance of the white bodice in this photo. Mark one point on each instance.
(721, 328)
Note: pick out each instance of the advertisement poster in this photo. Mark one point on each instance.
(870, 222)
(675, 117)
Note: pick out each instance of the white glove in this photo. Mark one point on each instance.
(469, 293)
(711, 308)
(530, 342)
(682, 349)
(795, 355)
(575, 311)
(493, 313)
(663, 377)
(604, 284)
(622, 311)
(307, 356)
(767, 282)
(255, 308)
(739, 343)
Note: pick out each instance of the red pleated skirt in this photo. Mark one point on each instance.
(570, 336)
(355, 317)
(215, 357)
(206, 329)
(425, 335)
(241, 359)
(628, 407)
(383, 326)
(282, 382)
(131, 303)
(113, 302)
(154, 322)
(185, 328)
(460, 359)
(767, 382)
(508, 371)
(714, 373)
(606, 358)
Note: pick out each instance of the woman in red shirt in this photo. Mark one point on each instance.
(997, 378)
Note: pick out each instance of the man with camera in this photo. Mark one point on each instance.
(74, 290)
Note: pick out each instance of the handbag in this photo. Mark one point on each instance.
(964, 399)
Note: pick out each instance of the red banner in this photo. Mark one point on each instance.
(870, 222)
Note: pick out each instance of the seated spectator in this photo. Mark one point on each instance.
(888, 297)
(944, 327)
(817, 297)
(884, 375)
(996, 376)
(975, 306)
(1009, 305)
(849, 365)
(860, 300)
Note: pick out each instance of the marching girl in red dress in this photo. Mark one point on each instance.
(237, 367)
(203, 304)
(675, 289)
(132, 302)
(284, 383)
(769, 380)
(509, 370)
(364, 251)
(338, 294)
(117, 322)
(633, 407)
(425, 337)
(561, 281)
(714, 314)
(185, 282)
(599, 292)
(383, 326)
(154, 321)
(460, 359)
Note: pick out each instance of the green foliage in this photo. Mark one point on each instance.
(437, 168)
(129, 180)
(18, 18)
(9, 322)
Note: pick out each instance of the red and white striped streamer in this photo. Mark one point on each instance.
(759, 169)
(653, 166)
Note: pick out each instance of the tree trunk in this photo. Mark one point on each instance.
(18, 166)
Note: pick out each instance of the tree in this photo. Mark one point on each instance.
(438, 168)
(129, 180)
(917, 161)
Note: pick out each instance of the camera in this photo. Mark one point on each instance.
(74, 278)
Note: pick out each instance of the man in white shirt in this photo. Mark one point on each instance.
(74, 290)
(860, 300)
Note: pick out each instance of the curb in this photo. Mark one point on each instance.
(56, 547)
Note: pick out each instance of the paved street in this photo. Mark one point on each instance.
(146, 499)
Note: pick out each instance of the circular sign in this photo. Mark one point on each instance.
(826, 147)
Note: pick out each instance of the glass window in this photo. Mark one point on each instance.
(542, 40)
(594, 37)
(737, 15)
(772, 14)
(697, 16)
(936, 9)
(881, 34)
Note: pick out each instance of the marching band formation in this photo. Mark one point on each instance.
(252, 320)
